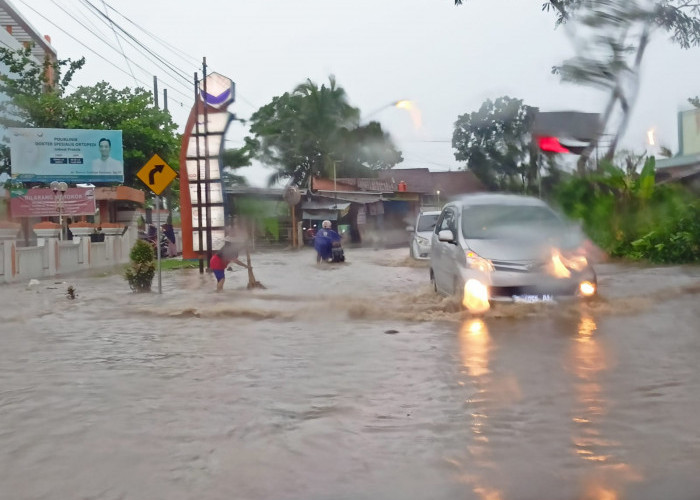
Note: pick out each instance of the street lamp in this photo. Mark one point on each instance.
(438, 197)
(59, 191)
(402, 104)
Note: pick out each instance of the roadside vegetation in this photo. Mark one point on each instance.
(628, 215)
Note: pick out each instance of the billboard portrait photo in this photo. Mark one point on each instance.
(70, 155)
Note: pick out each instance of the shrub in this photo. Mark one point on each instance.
(628, 215)
(142, 269)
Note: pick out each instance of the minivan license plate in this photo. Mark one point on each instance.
(531, 299)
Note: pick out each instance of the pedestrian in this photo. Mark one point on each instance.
(169, 232)
(97, 235)
(69, 233)
(220, 263)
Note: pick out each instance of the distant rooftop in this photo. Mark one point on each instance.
(15, 25)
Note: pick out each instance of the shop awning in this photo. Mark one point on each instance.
(323, 205)
(357, 196)
(320, 215)
(323, 209)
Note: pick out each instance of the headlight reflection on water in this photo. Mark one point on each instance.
(475, 353)
(588, 362)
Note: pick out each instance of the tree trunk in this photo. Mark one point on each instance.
(633, 93)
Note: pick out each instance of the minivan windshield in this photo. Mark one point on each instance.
(503, 221)
(426, 222)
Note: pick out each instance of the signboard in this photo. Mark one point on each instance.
(70, 155)
(42, 202)
(156, 174)
(689, 132)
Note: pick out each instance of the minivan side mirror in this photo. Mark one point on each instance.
(446, 236)
(410, 229)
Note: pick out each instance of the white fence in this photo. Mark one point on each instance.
(52, 257)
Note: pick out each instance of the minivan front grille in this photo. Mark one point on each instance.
(516, 267)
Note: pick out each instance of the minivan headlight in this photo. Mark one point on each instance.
(422, 241)
(474, 261)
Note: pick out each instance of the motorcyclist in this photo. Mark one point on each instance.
(324, 240)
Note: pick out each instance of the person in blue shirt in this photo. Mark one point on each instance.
(323, 242)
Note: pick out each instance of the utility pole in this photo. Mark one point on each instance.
(155, 91)
(199, 184)
(207, 175)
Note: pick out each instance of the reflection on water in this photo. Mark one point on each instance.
(297, 391)
(588, 361)
(475, 348)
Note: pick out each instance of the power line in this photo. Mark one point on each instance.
(134, 42)
(167, 64)
(176, 51)
(183, 55)
(92, 50)
(119, 42)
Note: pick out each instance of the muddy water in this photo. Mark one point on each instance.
(348, 382)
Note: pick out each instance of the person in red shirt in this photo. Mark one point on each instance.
(220, 262)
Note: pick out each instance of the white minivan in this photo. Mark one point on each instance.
(503, 246)
(419, 242)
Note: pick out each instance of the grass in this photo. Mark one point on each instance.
(170, 264)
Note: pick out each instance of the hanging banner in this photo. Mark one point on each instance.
(42, 202)
(70, 155)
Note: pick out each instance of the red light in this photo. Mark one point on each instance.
(551, 145)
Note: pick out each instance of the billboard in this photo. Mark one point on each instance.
(689, 132)
(70, 155)
(42, 202)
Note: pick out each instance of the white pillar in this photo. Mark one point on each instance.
(82, 235)
(8, 241)
(48, 234)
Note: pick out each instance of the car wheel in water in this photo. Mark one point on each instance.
(411, 252)
(459, 291)
(433, 282)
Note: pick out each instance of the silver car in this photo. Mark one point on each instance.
(421, 233)
(489, 247)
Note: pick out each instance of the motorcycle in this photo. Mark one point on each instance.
(337, 253)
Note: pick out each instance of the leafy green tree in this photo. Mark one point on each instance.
(233, 159)
(314, 130)
(496, 144)
(34, 100)
(146, 129)
(33, 93)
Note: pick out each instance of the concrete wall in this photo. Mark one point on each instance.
(52, 257)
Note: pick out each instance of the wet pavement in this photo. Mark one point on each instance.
(348, 381)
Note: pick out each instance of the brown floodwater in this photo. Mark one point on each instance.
(349, 381)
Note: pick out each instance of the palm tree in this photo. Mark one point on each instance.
(312, 130)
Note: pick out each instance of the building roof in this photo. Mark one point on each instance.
(120, 193)
(22, 31)
(422, 180)
(571, 124)
(323, 184)
(678, 161)
(371, 184)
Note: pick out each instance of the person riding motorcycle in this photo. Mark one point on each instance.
(324, 241)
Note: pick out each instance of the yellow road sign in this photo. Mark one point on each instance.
(156, 174)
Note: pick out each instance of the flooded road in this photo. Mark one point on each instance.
(351, 381)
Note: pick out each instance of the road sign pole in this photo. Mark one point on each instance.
(160, 286)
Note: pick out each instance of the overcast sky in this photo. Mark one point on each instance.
(445, 59)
